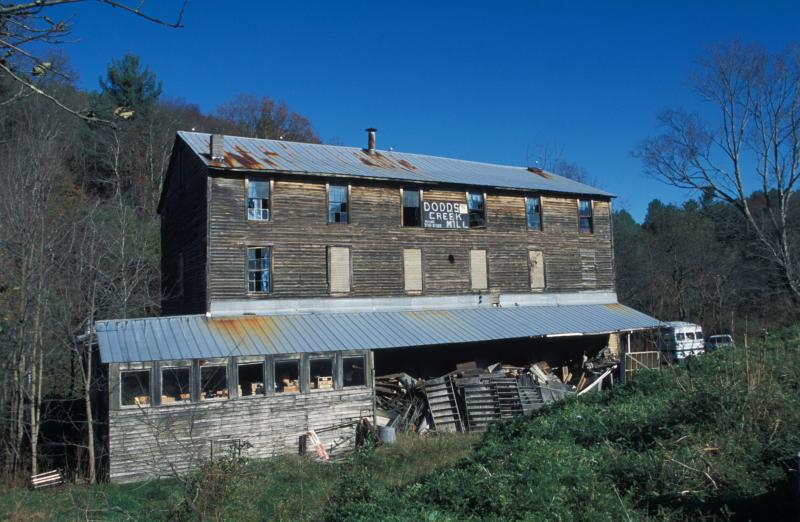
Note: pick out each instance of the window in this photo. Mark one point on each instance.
(690, 336)
(258, 270)
(321, 374)
(287, 376)
(585, 220)
(533, 208)
(251, 379)
(213, 382)
(477, 212)
(699, 335)
(338, 204)
(680, 337)
(536, 265)
(477, 270)
(354, 371)
(176, 385)
(412, 216)
(135, 388)
(412, 269)
(258, 200)
(339, 269)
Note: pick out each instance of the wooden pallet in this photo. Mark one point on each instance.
(443, 405)
(480, 402)
(507, 395)
(530, 394)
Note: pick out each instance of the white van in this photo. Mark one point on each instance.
(680, 340)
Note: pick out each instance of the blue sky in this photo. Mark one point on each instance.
(485, 81)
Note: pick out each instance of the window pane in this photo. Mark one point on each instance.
(699, 335)
(585, 224)
(258, 200)
(477, 214)
(287, 376)
(534, 211)
(337, 204)
(213, 382)
(135, 388)
(176, 385)
(411, 208)
(251, 379)
(321, 374)
(258, 269)
(354, 371)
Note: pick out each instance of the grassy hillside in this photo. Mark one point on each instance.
(707, 441)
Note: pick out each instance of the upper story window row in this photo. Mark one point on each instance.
(415, 211)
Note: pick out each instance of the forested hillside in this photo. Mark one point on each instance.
(79, 237)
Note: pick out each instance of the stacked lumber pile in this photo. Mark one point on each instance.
(470, 397)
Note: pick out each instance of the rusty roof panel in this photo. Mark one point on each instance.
(200, 337)
(262, 155)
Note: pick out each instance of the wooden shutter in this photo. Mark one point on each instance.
(477, 269)
(536, 262)
(412, 269)
(339, 269)
(588, 269)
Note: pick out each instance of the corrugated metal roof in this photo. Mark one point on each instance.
(199, 337)
(261, 155)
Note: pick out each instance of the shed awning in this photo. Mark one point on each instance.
(199, 336)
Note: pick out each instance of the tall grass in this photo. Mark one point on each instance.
(708, 441)
(288, 488)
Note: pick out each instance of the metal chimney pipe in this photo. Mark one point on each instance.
(217, 147)
(371, 140)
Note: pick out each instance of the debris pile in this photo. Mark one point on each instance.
(470, 397)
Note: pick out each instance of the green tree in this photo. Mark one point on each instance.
(129, 88)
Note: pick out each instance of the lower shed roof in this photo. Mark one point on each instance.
(199, 336)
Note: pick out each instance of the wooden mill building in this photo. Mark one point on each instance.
(292, 273)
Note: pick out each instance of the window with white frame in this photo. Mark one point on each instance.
(258, 200)
(477, 209)
(338, 203)
(259, 270)
(412, 211)
(585, 217)
(533, 210)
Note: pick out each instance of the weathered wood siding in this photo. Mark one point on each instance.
(163, 441)
(184, 225)
(298, 233)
